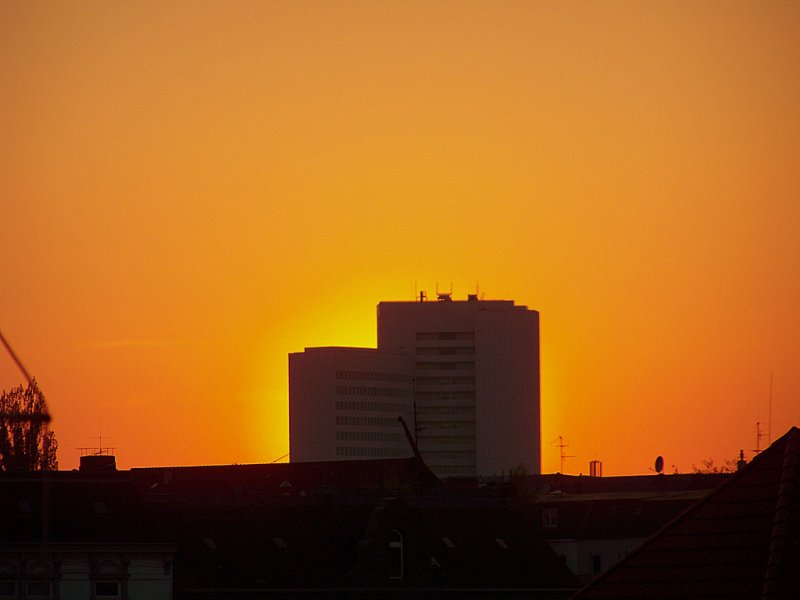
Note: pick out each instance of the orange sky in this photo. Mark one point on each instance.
(191, 190)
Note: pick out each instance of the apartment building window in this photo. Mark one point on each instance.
(445, 366)
(107, 590)
(465, 411)
(368, 421)
(373, 406)
(457, 380)
(370, 376)
(444, 335)
(369, 436)
(372, 452)
(597, 564)
(37, 589)
(395, 555)
(354, 390)
(549, 518)
(8, 589)
(443, 350)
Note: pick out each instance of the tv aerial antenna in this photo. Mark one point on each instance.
(759, 435)
(561, 446)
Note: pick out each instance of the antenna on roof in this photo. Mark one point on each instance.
(97, 451)
(759, 435)
(769, 426)
(561, 446)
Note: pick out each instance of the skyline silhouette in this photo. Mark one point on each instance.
(191, 192)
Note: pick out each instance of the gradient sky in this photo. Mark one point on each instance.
(191, 190)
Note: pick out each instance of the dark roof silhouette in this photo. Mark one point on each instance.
(54, 507)
(254, 482)
(740, 541)
(313, 551)
(583, 484)
(597, 517)
(303, 530)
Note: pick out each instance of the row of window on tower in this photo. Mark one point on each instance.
(372, 452)
(392, 407)
(371, 376)
(446, 366)
(445, 335)
(355, 390)
(367, 421)
(444, 351)
(369, 436)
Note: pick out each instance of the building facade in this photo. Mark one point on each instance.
(344, 404)
(80, 570)
(476, 381)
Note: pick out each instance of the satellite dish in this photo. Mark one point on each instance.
(660, 464)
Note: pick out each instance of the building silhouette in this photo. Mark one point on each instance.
(476, 375)
(344, 404)
(463, 375)
(742, 540)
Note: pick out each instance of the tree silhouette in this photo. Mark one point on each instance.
(26, 443)
(729, 466)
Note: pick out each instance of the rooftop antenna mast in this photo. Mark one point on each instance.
(99, 451)
(769, 426)
(759, 435)
(561, 446)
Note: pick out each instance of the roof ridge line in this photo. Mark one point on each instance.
(788, 488)
(685, 513)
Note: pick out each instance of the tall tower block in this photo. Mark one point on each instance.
(476, 381)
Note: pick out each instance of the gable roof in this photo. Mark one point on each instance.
(740, 541)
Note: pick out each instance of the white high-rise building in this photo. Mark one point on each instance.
(476, 381)
(464, 376)
(344, 404)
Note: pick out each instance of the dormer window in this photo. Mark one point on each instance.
(37, 589)
(549, 518)
(395, 555)
(107, 589)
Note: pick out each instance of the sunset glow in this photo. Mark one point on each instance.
(189, 191)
